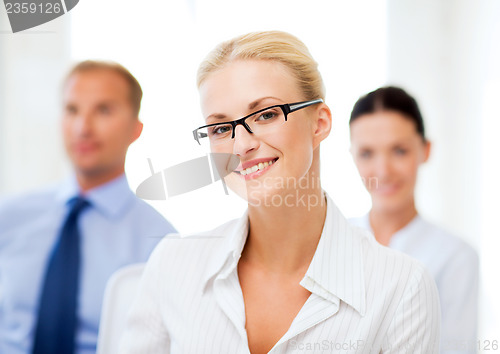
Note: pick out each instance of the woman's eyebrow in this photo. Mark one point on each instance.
(258, 101)
(216, 116)
(251, 106)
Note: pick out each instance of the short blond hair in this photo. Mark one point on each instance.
(278, 46)
(135, 90)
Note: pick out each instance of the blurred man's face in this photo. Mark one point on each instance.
(98, 122)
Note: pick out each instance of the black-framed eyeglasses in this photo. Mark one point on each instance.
(260, 122)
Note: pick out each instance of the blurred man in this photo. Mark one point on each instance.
(59, 246)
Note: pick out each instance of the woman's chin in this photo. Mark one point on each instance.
(255, 193)
(390, 205)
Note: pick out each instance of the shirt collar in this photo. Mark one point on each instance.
(412, 228)
(336, 270)
(364, 222)
(228, 254)
(67, 190)
(111, 198)
(403, 235)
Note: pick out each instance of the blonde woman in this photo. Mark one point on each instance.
(290, 274)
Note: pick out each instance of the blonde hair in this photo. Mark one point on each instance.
(278, 46)
(135, 90)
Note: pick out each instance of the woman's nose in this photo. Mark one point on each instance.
(384, 167)
(244, 142)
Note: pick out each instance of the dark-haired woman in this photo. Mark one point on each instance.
(388, 144)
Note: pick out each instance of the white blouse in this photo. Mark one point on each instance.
(365, 298)
(455, 268)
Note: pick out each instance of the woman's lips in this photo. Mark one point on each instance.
(256, 168)
(387, 189)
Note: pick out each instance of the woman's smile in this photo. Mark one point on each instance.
(255, 168)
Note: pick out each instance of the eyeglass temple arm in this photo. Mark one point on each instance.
(296, 106)
(289, 108)
(198, 135)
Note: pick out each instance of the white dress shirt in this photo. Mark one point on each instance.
(365, 298)
(455, 268)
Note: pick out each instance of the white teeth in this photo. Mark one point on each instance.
(255, 168)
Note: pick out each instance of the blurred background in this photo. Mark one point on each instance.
(445, 53)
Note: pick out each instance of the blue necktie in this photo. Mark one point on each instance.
(57, 319)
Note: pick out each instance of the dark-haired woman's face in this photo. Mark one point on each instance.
(388, 151)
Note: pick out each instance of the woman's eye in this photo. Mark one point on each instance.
(221, 129)
(365, 154)
(267, 116)
(400, 151)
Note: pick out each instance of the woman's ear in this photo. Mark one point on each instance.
(322, 124)
(427, 150)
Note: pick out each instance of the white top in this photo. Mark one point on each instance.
(455, 268)
(365, 298)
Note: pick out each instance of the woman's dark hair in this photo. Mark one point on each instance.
(389, 98)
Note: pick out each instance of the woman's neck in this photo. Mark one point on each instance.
(385, 223)
(283, 238)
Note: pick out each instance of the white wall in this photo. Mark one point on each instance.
(31, 67)
(488, 54)
(431, 54)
